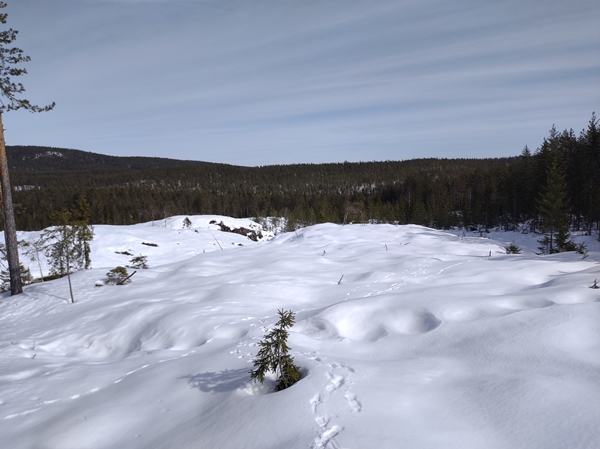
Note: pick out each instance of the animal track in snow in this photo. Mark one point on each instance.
(336, 382)
(352, 401)
(327, 438)
(312, 356)
(314, 402)
(322, 421)
(242, 344)
(73, 397)
(42, 404)
(337, 376)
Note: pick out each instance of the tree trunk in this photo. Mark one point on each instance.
(121, 282)
(40, 266)
(70, 288)
(10, 228)
(69, 278)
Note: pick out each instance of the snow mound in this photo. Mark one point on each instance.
(369, 320)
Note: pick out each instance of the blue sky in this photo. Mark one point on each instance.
(260, 82)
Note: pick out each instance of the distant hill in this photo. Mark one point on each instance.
(440, 193)
(127, 190)
(38, 159)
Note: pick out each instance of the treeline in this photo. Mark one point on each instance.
(434, 192)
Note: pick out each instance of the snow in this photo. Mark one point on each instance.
(426, 342)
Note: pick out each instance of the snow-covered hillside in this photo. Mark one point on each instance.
(426, 342)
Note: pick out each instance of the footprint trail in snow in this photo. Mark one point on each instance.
(338, 383)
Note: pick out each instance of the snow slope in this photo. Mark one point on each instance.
(426, 342)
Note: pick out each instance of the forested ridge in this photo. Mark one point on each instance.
(433, 192)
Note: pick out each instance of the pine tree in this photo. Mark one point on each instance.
(68, 248)
(10, 58)
(553, 210)
(273, 354)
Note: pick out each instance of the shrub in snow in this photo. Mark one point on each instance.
(139, 262)
(118, 275)
(273, 354)
(187, 223)
(581, 249)
(512, 249)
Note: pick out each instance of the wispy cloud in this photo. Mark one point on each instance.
(265, 81)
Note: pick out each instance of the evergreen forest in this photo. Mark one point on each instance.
(441, 193)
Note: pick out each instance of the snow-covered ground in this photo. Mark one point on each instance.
(426, 342)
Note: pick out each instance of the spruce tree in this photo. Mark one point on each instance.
(553, 210)
(512, 248)
(10, 60)
(26, 277)
(523, 178)
(274, 354)
(85, 232)
(590, 173)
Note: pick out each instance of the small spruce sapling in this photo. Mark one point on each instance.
(26, 278)
(187, 223)
(512, 249)
(273, 354)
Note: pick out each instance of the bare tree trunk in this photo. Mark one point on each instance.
(69, 278)
(10, 228)
(40, 266)
(121, 282)
(70, 288)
